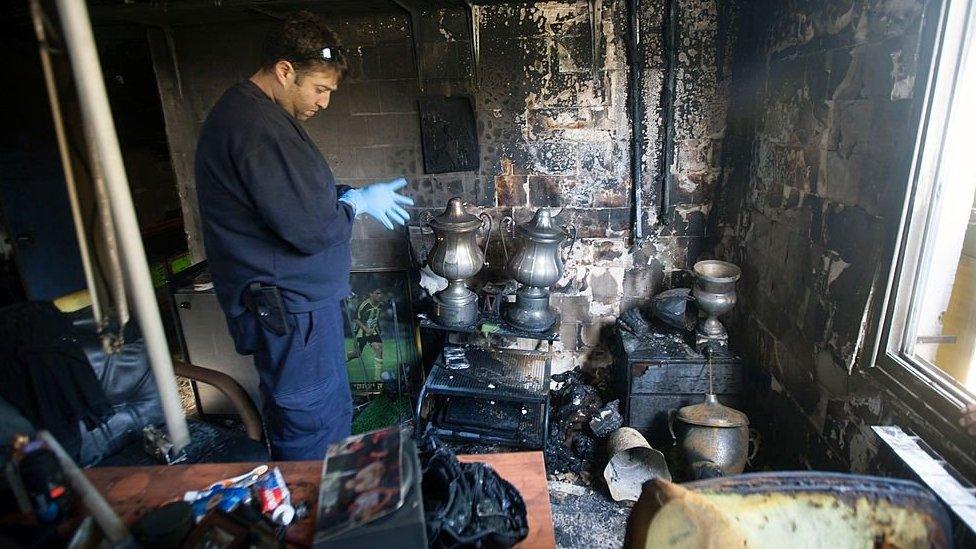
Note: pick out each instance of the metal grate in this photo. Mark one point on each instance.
(491, 323)
(497, 374)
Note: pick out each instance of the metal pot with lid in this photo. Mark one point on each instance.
(537, 265)
(713, 437)
(456, 256)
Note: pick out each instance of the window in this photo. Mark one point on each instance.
(929, 334)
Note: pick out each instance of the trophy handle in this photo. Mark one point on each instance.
(486, 217)
(572, 233)
(425, 218)
(507, 229)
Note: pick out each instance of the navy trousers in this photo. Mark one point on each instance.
(307, 401)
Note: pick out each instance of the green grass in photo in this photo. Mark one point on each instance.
(364, 368)
(382, 411)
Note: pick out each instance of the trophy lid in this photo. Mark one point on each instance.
(455, 218)
(712, 413)
(541, 228)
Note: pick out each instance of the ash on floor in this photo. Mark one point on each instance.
(585, 517)
(479, 448)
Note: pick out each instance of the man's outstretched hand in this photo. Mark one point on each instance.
(968, 419)
(381, 201)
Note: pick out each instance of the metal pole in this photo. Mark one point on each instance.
(636, 104)
(69, 174)
(98, 118)
(671, 22)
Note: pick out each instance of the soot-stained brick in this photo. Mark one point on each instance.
(606, 251)
(852, 232)
(604, 286)
(810, 197)
(606, 192)
(572, 308)
(545, 190)
(510, 190)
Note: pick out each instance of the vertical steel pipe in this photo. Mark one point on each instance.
(635, 99)
(668, 92)
(97, 115)
(44, 48)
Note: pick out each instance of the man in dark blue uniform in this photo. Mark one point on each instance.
(276, 230)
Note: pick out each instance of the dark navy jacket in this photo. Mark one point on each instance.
(269, 205)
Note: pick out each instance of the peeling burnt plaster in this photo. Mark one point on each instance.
(806, 211)
(549, 134)
(837, 266)
(903, 78)
(684, 210)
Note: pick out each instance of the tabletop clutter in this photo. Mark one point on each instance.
(258, 498)
(377, 489)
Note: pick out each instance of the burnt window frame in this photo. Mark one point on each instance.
(927, 390)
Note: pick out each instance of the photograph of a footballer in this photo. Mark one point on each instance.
(379, 343)
(368, 330)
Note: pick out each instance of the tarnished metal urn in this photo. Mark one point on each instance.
(456, 257)
(713, 437)
(714, 292)
(537, 264)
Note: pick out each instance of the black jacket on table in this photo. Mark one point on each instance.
(269, 205)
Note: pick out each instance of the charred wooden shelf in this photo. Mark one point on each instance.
(490, 422)
(497, 374)
(501, 398)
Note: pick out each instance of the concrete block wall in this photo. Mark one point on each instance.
(817, 160)
(550, 133)
(555, 136)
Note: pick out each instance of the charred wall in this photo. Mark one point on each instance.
(821, 135)
(553, 127)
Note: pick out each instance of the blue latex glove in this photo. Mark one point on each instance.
(381, 201)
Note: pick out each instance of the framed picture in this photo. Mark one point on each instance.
(381, 346)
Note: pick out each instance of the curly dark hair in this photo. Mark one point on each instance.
(298, 40)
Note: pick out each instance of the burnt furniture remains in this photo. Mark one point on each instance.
(489, 395)
(495, 396)
(657, 372)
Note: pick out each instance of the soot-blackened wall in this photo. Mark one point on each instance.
(822, 126)
(553, 127)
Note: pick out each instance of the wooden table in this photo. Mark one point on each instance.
(134, 491)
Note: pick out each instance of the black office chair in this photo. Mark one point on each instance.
(127, 381)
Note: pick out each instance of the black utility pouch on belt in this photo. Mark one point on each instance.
(266, 303)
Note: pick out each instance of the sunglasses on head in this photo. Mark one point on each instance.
(327, 53)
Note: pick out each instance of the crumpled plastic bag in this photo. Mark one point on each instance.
(468, 504)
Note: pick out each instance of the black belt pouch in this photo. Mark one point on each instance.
(266, 303)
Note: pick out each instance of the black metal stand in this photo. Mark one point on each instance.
(502, 397)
